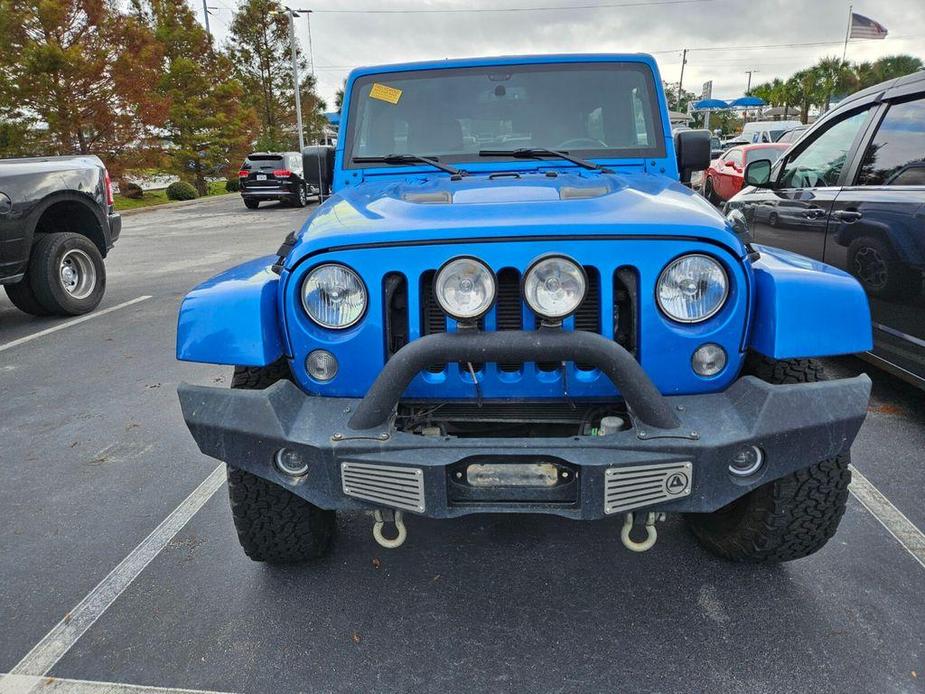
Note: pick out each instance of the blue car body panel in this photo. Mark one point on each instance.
(805, 308)
(233, 318)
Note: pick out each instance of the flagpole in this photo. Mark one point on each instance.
(847, 32)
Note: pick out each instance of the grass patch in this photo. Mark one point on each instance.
(159, 197)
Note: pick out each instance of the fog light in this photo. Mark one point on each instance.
(290, 462)
(321, 365)
(708, 360)
(747, 461)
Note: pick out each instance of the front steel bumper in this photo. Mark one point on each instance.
(794, 425)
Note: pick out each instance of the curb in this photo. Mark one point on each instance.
(172, 205)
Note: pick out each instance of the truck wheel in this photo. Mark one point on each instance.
(790, 517)
(67, 274)
(880, 270)
(251, 204)
(23, 298)
(273, 524)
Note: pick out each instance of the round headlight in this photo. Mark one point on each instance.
(692, 288)
(555, 286)
(334, 296)
(465, 288)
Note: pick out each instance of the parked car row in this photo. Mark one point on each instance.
(851, 192)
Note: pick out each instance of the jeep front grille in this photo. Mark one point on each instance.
(511, 313)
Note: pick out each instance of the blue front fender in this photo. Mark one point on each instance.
(233, 318)
(804, 308)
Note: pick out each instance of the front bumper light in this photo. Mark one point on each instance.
(692, 288)
(334, 296)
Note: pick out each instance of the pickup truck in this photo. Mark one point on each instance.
(512, 303)
(57, 223)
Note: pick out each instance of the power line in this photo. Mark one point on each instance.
(456, 10)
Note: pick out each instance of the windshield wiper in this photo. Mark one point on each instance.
(537, 152)
(409, 159)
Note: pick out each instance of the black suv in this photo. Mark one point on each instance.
(851, 192)
(274, 176)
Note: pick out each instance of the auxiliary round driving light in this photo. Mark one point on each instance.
(708, 360)
(321, 365)
(465, 288)
(747, 461)
(290, 462)
(555, 286)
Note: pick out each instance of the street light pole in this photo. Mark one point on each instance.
(295, 77)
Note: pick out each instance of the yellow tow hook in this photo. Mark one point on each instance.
(394, 517)
(651, 532)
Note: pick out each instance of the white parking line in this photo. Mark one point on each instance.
(62, 326)
(19, 684)
(910, 537)
(75, 623)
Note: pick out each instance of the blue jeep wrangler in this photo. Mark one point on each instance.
(512, 304)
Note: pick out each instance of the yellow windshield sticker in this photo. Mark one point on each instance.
(385, 93)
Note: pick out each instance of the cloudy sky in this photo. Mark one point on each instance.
(725, 37)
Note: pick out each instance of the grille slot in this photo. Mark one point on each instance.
(397, 487)
(632, 487)
(588, 315)
(626, 309)
(433, 320)
(509, 309)
(395, 299)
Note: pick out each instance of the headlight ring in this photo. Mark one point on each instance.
(334, 296)
(692, 288)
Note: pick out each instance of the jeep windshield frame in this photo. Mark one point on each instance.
(606, 110)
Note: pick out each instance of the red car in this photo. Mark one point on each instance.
(724, 178)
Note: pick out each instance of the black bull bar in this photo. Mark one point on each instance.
(642, 397)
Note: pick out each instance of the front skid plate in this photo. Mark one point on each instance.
(795, 426)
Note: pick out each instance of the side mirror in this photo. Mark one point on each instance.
(692, 148)
(758, 173)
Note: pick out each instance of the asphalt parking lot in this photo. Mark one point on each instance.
(101, 481)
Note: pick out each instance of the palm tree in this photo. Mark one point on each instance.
(833, 76)
(806, 83)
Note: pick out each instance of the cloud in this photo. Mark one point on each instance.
(713, 29)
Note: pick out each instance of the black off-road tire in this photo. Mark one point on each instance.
(23, 298)
(251, 204)
(788, 518)
(880, 270)
(45, 278)
(273, 524)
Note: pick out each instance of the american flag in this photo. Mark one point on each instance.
(866, 28)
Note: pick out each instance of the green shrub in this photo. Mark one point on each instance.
(233, 185)
(132, 191)
(181, 190)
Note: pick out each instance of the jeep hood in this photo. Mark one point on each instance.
(427, 208)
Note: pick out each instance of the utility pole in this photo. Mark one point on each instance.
(205, 15)
(295, 70)
(681, 79)
(748, 92)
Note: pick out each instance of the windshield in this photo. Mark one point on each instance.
(604, 110)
